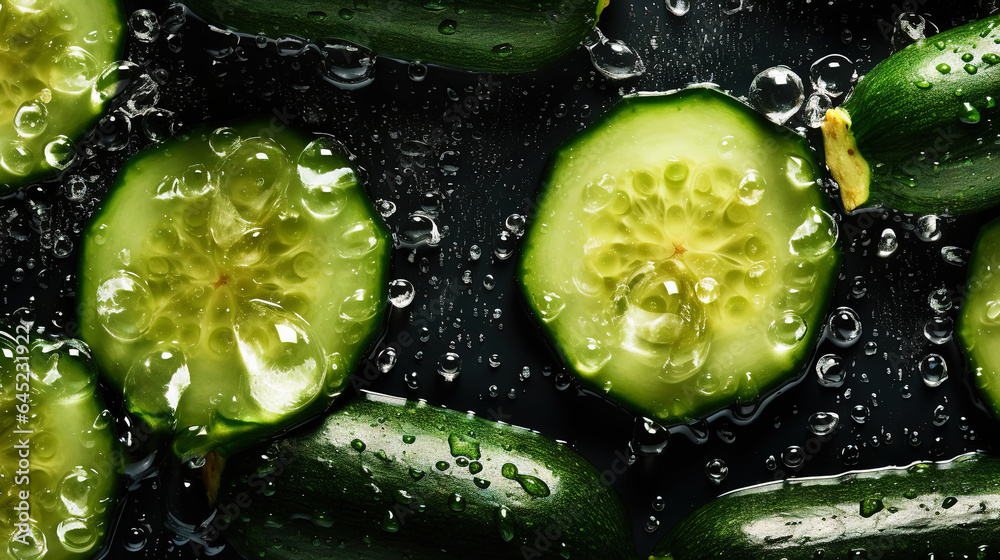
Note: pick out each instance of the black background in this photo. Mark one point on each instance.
(500, 152)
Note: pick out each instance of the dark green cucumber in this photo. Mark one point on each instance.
(978, 327)
(232, 281)
(60, 459)
(925, 510)
(389, 478)
(682, 257)
(51, 56)
(485, 35)
(917, 134)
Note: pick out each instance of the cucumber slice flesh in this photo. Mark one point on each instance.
(51, 55)
(683, 254)
(231, 283)
(979, 320)
(58, 451)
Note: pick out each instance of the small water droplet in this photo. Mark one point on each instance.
(933, 370)
(887, 243)
(613, 59)
(401, 293)
(830, 370)
(716, 470)
(823, 423)
(449, 366)
(939, 329)
(844, 326)
(860, 413)
(793, 457)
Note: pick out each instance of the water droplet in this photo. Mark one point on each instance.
(449, 366)
(815, 236)
(678, 7)
(448, 27)
(494, 391)
(817, 104)
(60, 152)
(940, 300)
(401, 293)
(793, 457)
(345, 64)
(649, 438)
(505, 245)
(31, 118)
(940, 417)
(833, 74)
(777, 92)
(419, 229)
(412, 380)
(489, 282)
(475, 252)
(716, 470)
(787, 330)
(417, 71)
(823, 423)
(124, 306)
(870, 506)
(939, 329)
(707, 290)
(844, 326)
(731, 7)
(144, 25)
(386, 359)
(505, 524)
(928, 228)
(933, 370)
(830, 370)
(860, 413)
(652, 524)
(613, 59)
(887, 243)
(955, 256)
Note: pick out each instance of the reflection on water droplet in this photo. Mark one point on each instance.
(777, 92)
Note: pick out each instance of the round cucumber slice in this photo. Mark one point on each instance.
(231, 283)
(682, 255)
(59, 455)
(978, 326)
(51, 55)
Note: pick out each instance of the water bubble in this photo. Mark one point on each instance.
(777, 92)
(224, 141)
(489, 282)
(956, 256)
(648, 437)
(716, 470)
(144, 25)
(386, 359)
(823, 423)
(449, 366)
(860, 413)
(793, 457)
(910, 27)
(326, 176)
(416, 71)
(494, 390)
(816, 236)
(871, 347)
(707, 290)
(939, 329)
(652, 524)
(830, 370)
(678, 7)
(933, 370)
(787, 330)
(115, 79)
(74, 70)
(475, 251)
(158, 124)
(940, 300)
(817, 104)
(60, 152)
(613, 59)
(113, 130)
(928, 228)
(401, 293)
(505, 245)
(346, 65)
(419, 229)
(411, 379)
(515, 224)
(31, 118)
(844, 326)
(887, 243)
(940, 416)
(124, 306)
(833, 74)
(143, 95)
(850, 454)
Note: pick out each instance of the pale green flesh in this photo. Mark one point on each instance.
(979, 320)
(642, 216)
(73, 464)
(225, 322)
(51, 54)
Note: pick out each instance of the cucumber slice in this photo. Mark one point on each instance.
(682, 254)
(978, 326)
(231, 283)
(59, 454)
(51, 54)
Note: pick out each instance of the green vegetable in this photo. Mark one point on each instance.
(925, 510)
(681, 256)
(232, 281)
(388, 478)
(915, 134)
(51, 54)
(487, 35)
(59, 452)
(978, 328)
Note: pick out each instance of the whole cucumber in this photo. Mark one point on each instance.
(389, 478)
(926, 510)
(481, 35)
(918, 133)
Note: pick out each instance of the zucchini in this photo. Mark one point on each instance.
(59, 454)
(682, 256)
(51, 54)
(978, 328)
(486, 35)
(388, 478)
(231, 283)
(916, 133)
(925, 510)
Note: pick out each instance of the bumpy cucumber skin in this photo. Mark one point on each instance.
(953, 513)
(71, 115)
(978, 334)
(320, 495)
(923, 157)
(224, 435)
(676, 404)
(70, 443)
(488, 36)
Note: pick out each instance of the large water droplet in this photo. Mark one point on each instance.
(928, 228)
(449, 366)
(254, 176)
(844, 326)
(830, 370)
(678, 7)
(833, 74)
(327, 175)
(939, 329)
(31, 118)
(815, 236)
(76, 535)
(124, 306)
(419, 229)
(613, 59)
(401, 293)
(887, 243)
(823, 423)
(778, 93)
(346, 65)
(933, 370)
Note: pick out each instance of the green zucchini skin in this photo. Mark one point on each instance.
(925, 510)
(351, 487)
(924, 119)
(978, 326)
(482, 35)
